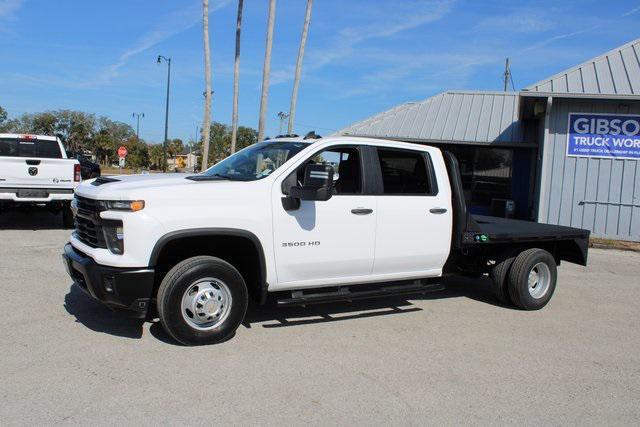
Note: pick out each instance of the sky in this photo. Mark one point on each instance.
(362, 57)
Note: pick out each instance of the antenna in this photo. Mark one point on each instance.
(508, 78)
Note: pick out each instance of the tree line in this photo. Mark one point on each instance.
(82, 132)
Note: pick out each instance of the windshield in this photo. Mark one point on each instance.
(256, 161)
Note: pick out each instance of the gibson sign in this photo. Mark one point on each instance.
(614, 136)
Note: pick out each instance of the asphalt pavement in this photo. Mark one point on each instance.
(454, 357)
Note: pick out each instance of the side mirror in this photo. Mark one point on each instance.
(318, 185)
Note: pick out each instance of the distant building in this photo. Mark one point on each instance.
(565, 150)
(187, 160)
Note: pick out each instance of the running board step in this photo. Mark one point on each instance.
(345, 293)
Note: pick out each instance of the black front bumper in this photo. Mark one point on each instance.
(123, 289)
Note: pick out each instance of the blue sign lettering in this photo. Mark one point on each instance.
(604, 135)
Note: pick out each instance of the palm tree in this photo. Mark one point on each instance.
(207, 79)
(296, 81)
(236, 79)
(266, 70)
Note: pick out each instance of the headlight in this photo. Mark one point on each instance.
(114, 237)
(123, 205)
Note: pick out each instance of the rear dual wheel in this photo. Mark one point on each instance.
(528, 280)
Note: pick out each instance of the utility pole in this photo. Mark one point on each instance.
(296, 80)
(507, 75)
(236, 80)
(206, 122)
(137, 116)
(282, 116)
(266, 70)
(166, 113)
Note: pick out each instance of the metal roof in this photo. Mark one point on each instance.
(615, 72)
(450, 117)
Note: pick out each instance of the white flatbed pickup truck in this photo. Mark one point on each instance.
(304, 222)
(35, 171)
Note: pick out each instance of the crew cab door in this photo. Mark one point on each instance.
(325, 242)
(414, 218)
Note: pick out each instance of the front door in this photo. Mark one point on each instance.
(326, 242)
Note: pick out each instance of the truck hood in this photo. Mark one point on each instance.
(121, 187)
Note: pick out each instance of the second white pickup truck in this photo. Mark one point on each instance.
(35, 171)
(307, 222)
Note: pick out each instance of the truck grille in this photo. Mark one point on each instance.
(88, 228)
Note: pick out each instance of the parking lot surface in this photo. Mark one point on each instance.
(455, 356)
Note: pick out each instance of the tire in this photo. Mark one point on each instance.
(500, 280)
(214, 283)
(543, 265)
(67, 217)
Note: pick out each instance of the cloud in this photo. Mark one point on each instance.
(386, 23)
(599, 24)
(550, 40)
(8, 8)
(419, 73)
(520, 21)
(170, 25)
(391, 22)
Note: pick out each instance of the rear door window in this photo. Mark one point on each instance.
(406, 172)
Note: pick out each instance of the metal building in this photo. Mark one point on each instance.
(563, 151)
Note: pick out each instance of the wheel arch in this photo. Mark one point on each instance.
(203, 234)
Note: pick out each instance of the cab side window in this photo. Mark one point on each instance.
(405, 172)
(347, 166)
(347, 169)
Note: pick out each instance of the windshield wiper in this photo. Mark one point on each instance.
(213, 177)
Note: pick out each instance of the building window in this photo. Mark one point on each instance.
(486, 174)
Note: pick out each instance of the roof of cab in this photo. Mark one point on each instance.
(27, 136)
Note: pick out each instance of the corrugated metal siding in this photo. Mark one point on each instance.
(615, 72)
(601, 195)
(481, 117)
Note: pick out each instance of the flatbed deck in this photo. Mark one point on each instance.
(504, 229)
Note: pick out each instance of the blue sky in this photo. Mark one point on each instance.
(362, 57)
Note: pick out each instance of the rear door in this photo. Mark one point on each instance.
(33, 162)
(413, 233)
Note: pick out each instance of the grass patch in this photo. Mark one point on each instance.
(595, 242)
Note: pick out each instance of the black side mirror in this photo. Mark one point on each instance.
(318, 184)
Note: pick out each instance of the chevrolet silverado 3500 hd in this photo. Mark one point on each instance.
(35, 172)
(337, 219)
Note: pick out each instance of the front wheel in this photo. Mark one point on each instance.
(202, 300)
(532, 279)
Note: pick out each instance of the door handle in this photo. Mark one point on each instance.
(361, 211)
(437, 211)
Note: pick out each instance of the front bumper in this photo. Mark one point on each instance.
(122, 289)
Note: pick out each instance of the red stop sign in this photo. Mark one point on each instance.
(122, 151)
